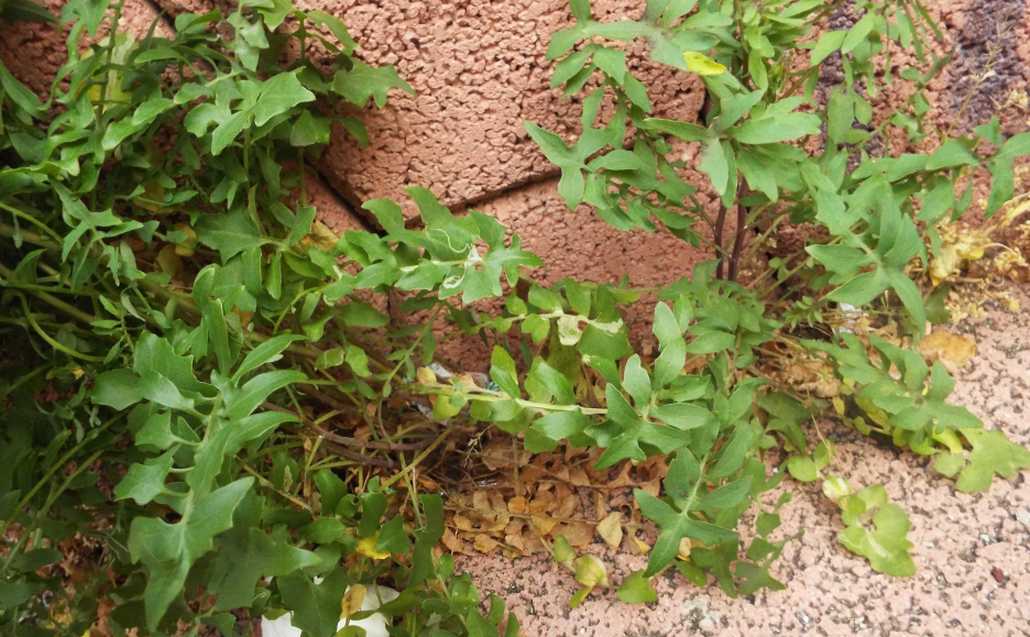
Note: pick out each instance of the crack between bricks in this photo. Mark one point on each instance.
(512, 187)
(353, 203)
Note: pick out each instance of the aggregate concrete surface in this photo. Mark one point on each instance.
(972, 550)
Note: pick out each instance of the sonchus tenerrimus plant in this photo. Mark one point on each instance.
(210, 419)
(177, 331)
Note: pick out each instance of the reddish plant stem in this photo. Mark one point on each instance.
(738, 239)
(720, 254)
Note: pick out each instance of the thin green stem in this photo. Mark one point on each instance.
(51, 300)
(57, 345)
(418, 459)
(480, 394)
(31, 219)
(28, 236)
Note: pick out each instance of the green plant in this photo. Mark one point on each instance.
(184, 338)
(875, 220)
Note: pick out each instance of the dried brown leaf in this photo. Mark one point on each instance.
(485, 544)
(579, 477)
(453, 543)
(462, 522)
(577, 533)
(518, 505)
(543, 524)
(481, 503)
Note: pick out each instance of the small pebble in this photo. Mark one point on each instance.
(1023, 516)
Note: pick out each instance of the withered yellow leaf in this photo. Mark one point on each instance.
(578, 477)
(543, 524)
(481, 502)
(684, 549)
(352, 600)
(452, 542)
(321, 236)
(641, 546)
(953, 350)
(590, 571)
(610, 529)
(959, 246)
(367, 547)
(462, 522)
(702, 64)
(425, 376)
(652, 487)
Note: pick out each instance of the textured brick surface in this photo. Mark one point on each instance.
(479, 70)
(333, 212)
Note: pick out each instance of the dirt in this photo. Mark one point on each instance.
(986, 64)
